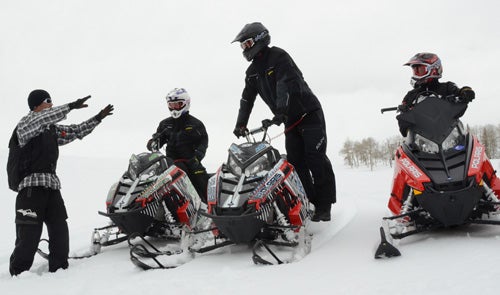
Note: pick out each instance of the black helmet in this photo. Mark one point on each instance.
(253, 37)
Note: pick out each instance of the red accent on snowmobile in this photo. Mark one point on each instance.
(294, 215)
(184, 213)
(477, 161)
(406, 172)
(268, 186)
(481, 168)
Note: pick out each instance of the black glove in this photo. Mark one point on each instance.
(403, 108)
(279, 118)
(267, 123)
(152, 145)
(107, 111)
(466, 94)
(240, 131)
(79, 103)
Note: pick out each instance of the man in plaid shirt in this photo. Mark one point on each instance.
(39, 199)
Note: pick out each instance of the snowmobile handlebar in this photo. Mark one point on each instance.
(249, 133)
(428, 93)
(383, 110)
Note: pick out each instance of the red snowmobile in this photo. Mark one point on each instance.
(442, 176)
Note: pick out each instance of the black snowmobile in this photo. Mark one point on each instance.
(152, 198)
(442, 176)
(257, 197)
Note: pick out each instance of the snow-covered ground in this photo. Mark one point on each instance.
(458, 261)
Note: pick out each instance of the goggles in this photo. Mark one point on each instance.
(421, 70)
(248, 43)
(176, 105)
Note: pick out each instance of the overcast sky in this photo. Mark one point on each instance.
(131, 53)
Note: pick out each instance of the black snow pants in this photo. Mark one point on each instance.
(197, 174)
(34, 207)
(306, 150)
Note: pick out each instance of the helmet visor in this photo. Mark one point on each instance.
(420, 70)
(248, 43)
(176, 105)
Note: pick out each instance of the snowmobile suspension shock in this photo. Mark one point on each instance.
(408, 203)
(490, 194)
(290, 235)
(168, 215)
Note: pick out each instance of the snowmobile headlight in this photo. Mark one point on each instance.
(259, 165)
(426, 145)
(453, 140)
(234, 167)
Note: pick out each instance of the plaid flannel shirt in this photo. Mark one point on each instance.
(35, 123)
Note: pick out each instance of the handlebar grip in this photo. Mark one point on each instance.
(388, 109)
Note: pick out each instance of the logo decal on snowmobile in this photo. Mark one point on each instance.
(476, 157)
(260, 147)
(28, 212)
(407, 164)
(268, 185)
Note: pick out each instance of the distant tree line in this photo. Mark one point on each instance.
(369, 152)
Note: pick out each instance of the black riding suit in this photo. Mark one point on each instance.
(275, 77)
(187, 141)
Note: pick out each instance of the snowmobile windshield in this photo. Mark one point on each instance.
(434, 119)
(146, 165)
(249, 158)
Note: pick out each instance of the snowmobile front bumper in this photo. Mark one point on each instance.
(450, 207)
(238, 228)
(134, 221)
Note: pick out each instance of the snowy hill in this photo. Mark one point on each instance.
(457, 261)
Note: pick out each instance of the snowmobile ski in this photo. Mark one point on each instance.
(386, 249)
(147, 256)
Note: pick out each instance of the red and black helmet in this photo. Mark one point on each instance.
(426, 67)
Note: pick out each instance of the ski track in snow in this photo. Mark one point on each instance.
(323, 232)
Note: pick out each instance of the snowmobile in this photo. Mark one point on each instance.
(442, 176)
(152, 198)
(257, 197)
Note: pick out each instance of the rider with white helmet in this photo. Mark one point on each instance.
(185, 137)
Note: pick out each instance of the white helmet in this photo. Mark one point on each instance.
(178, 101)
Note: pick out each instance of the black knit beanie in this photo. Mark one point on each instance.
(36, 98)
